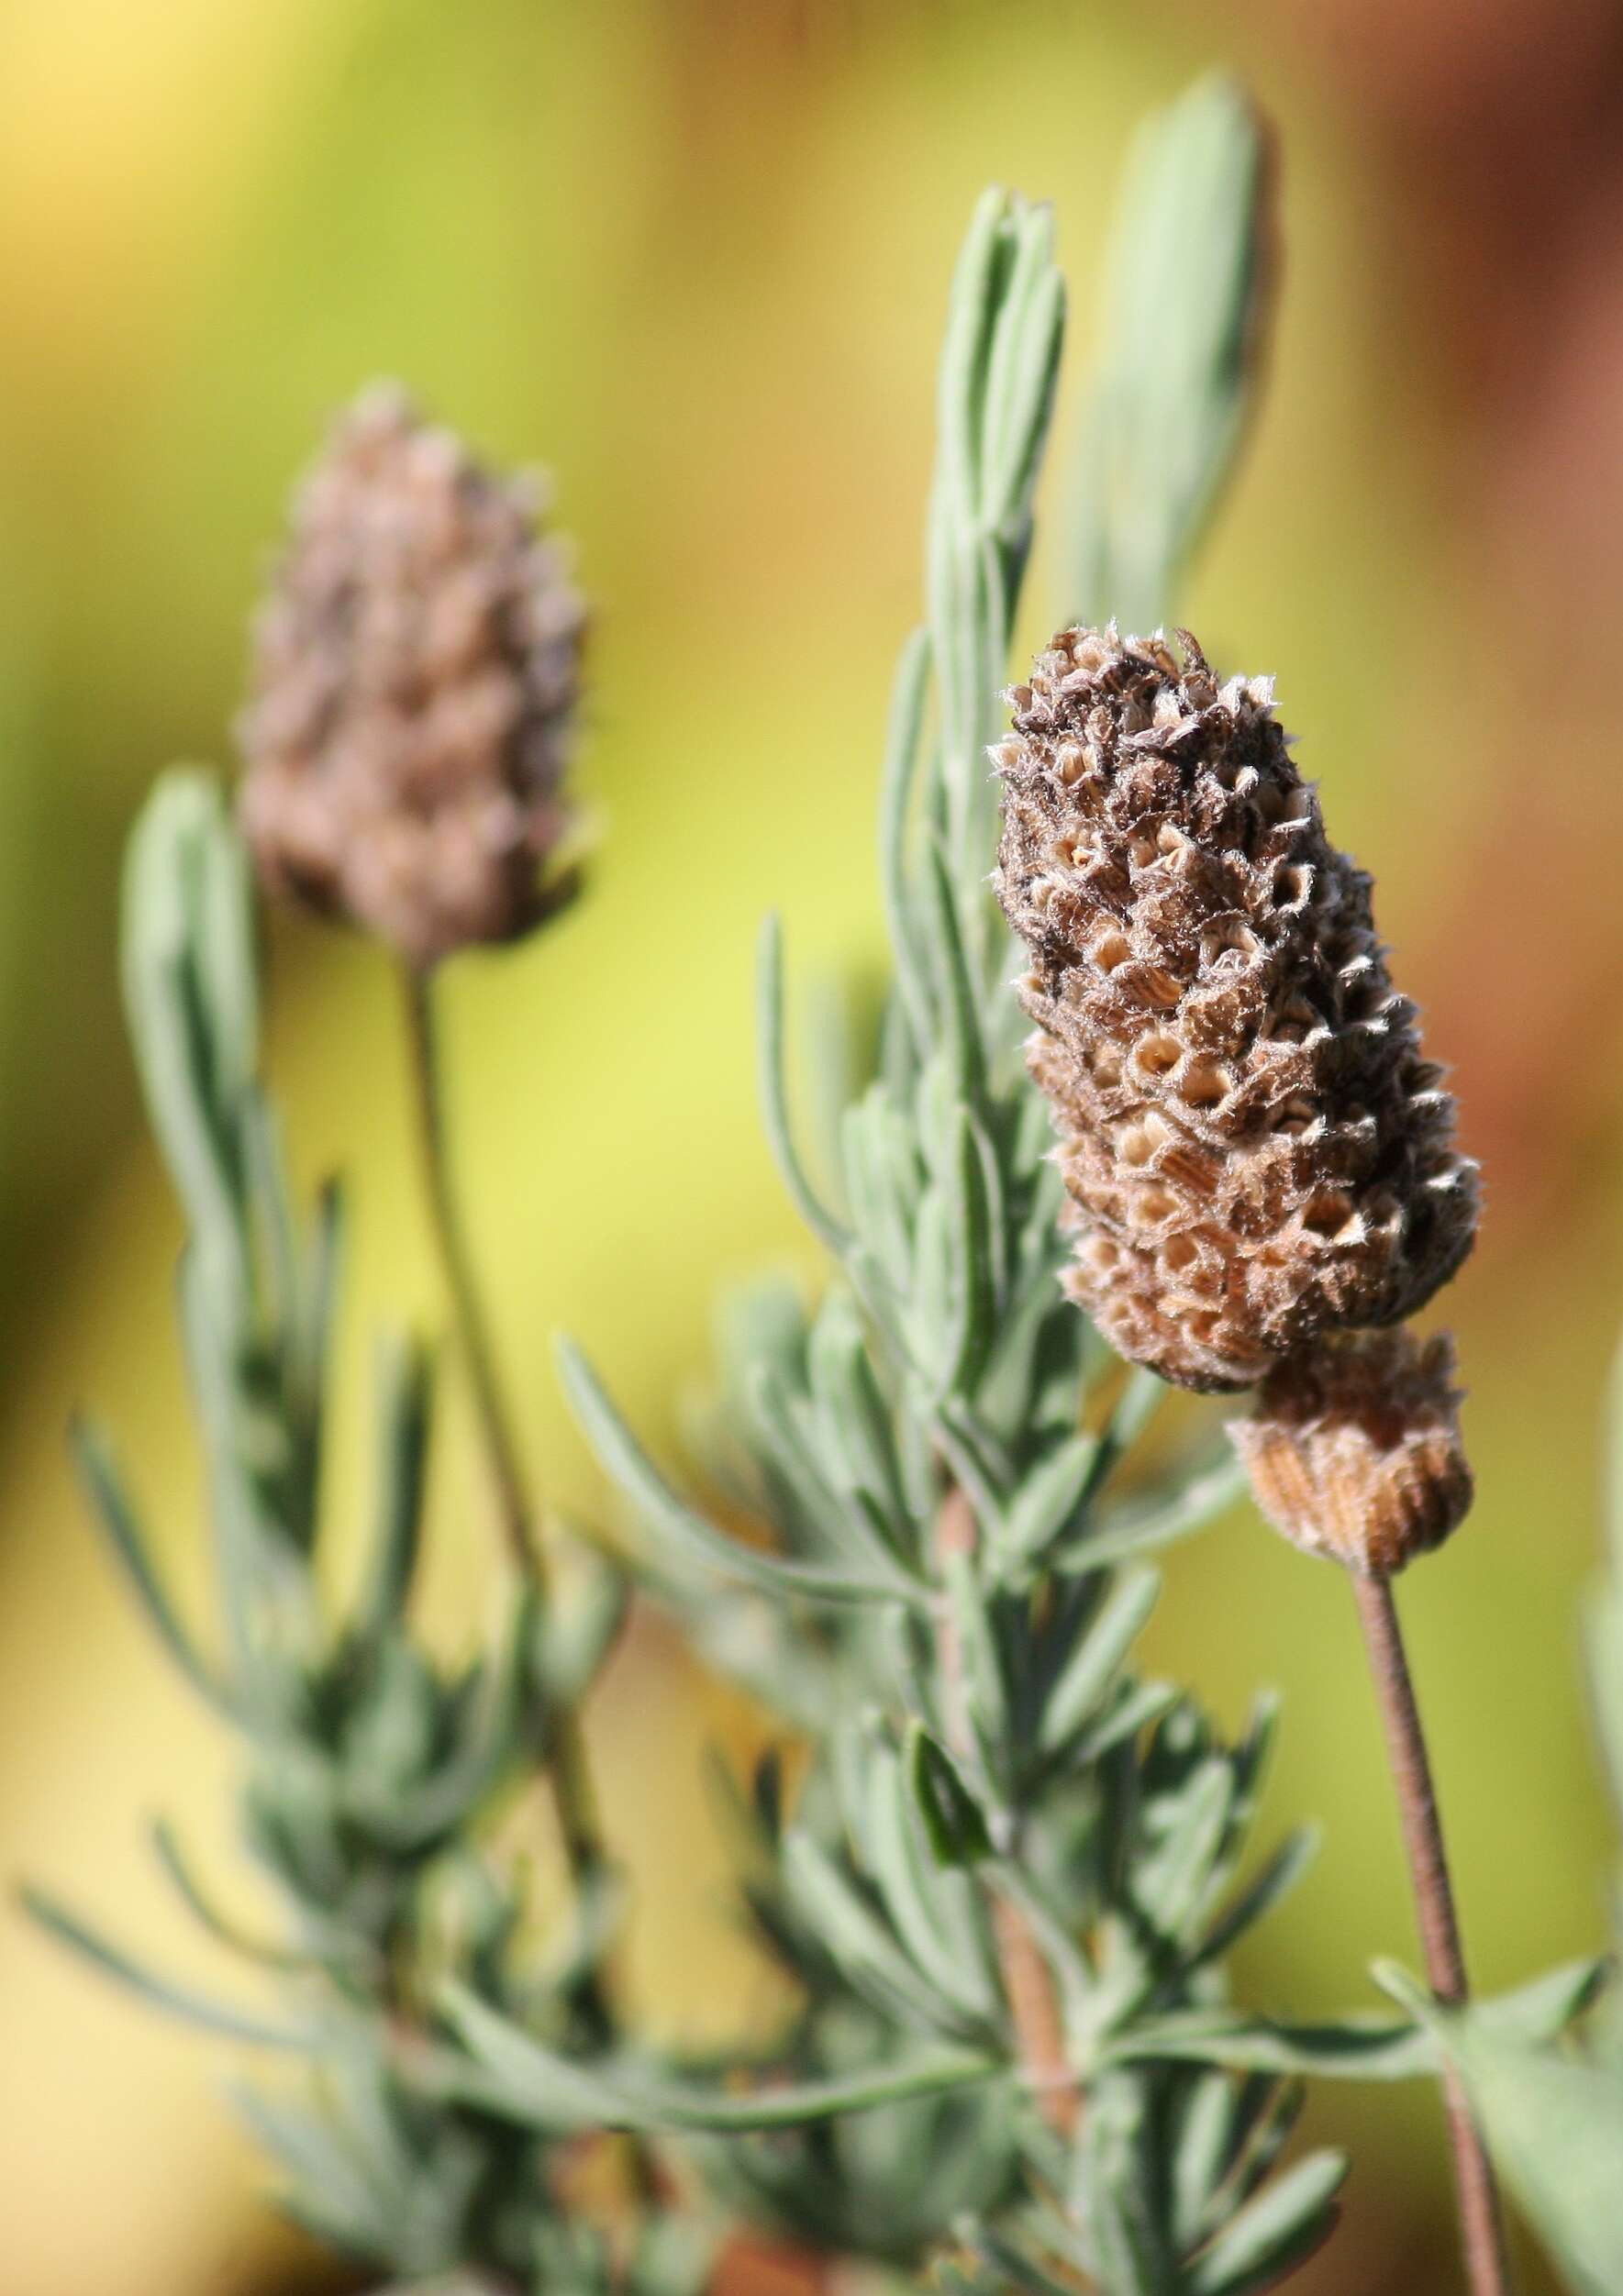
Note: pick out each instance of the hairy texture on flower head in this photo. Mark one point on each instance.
(1255, 1148)
(1353, 1448)
(417, 668)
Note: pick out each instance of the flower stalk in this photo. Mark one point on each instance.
(567, 1766)
(1482, 2223)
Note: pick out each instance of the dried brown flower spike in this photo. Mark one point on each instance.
(1353, 1448)
(416, 670)
(1255, 1148)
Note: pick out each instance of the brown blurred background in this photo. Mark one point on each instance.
(694, 256)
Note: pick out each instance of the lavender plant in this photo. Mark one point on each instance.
(1007, 1875)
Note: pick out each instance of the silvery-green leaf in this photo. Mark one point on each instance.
(583, 1624)
(931, 1334)
(935, 1912)
(1267, 2109)
(191, 1894)
(1022, 372)
(1042, 1507)
(1278, 1877)
(901, 760)
(860, 1942)
(1185, 318)
(1074, 1701)
(1553, 2124)
(854, 1420)
(161, 1992)
(775, 1095)
(188, 994)
(1142, 1395)
(808, 1486)
(1014, 2272)
(329, 2193)
(1172, 1882)
(1018, 1390)
(1137, 1526)
(1274, 2233)
(984, 1684)
(1135, 1706)
(978, 286)
(680, 1526)
(1131, 2253)
(93, 1454)
(1360, 2045)
(549, 2091)
(952, 1818)
(313, 1311)
(1205, 2146)
(973, 1288)
(404, 1397)
(882, 1204)
(955, 990)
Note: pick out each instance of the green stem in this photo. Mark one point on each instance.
(568, 1770)
(1482, 2223)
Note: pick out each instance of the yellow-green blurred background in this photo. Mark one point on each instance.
(694, 256)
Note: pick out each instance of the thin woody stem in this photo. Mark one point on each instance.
(1481, 2221)
(1029, 1984)
(573, 1793)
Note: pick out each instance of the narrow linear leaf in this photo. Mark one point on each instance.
(1542, 2010)
(862, 1942)
(1139, 1705)
(1031, 276)
(1138, 1526)
(1276, 2232)
(1086, 1676)
(975, 1285)
(1017, 2271)
(903, 744)
(1362, 2046)
(978, 282)
(1042, 1508)
(1173, 1885)
(178, 1869)
(1026, 389)
(98, 1472)
(961, 1009)
(775, 1095)
(546, 2090)
(1208, 2135)
(1187, 303)
(952, 1820)
(161, 1992)
(404, 1394)
(1279, 1876)
(190, 1064)
(680, 1526)
(935, 1912)
(319, 1289)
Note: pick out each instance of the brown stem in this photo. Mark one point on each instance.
(1029, 1984)
(571, 1778)
(1482, 2223)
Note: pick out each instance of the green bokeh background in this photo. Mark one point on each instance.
(694, 257)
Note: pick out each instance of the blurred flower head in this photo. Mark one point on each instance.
(417, 668)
